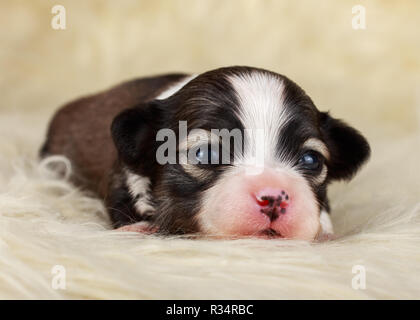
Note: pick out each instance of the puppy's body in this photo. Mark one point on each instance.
(121, 167)
(80, 130)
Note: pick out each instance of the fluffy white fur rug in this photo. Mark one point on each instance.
(368, 77)
(44, 222)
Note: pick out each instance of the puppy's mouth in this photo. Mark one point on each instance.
(270, 234)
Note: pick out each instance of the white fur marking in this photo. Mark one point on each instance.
(261, 108)
(322, 176)
(174, 88)
(317, 145)
(326, 224)
(139, 185)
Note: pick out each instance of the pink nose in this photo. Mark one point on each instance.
(272, 203)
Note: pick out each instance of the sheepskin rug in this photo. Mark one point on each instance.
(368, 77)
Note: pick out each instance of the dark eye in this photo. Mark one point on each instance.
(310, 160)
(205, 155)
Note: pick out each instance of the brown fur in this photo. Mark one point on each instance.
(80, 130)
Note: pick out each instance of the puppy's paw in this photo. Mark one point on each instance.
(140, 227)
(322, 237)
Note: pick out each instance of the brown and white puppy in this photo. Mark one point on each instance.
(113, 140)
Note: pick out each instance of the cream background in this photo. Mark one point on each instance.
(368, 77)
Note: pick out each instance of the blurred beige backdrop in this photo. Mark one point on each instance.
(369, 77)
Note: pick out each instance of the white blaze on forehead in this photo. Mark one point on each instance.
(260, 110)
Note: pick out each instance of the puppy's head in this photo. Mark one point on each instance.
(245, 153)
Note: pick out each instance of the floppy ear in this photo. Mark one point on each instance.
(348, 148)
(134, 134)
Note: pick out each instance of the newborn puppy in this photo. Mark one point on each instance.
(232, 152)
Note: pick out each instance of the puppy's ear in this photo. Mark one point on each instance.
(348, 148)
(134, 134)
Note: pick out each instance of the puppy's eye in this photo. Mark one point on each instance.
(205, 155)
(311, 160)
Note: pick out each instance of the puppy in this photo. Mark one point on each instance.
(151, 149)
